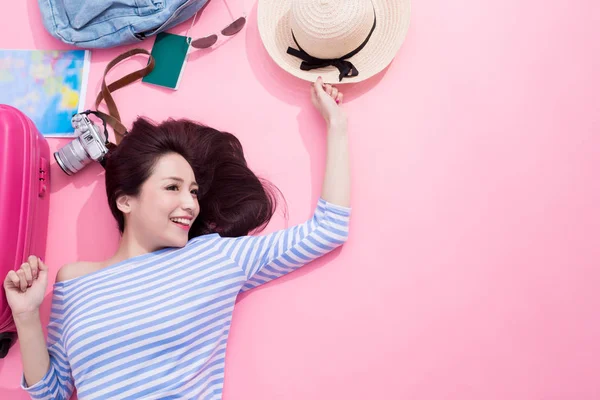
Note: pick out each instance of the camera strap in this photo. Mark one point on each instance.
(113, 118)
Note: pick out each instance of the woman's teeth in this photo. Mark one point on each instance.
(182, 221)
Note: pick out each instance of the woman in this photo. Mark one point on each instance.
(152, 321)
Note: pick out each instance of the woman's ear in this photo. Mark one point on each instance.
(123, 204)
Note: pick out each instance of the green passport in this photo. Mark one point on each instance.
(170, 55)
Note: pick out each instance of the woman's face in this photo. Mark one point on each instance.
(167, 205)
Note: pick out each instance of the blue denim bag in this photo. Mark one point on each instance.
(110, 23)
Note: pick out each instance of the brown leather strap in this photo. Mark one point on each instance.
(113, 118)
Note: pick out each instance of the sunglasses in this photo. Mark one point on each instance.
(230, 30)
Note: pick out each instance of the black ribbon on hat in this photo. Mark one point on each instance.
(346, 68)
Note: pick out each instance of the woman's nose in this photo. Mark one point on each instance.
(189, 202)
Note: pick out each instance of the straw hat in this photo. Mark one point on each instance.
(344, 41)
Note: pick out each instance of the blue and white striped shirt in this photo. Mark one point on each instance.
(155, 326)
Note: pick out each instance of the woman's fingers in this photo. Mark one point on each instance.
(13, 278)
(22, 280)
(24, 277)
(313, 93)
(42, 270)
(26, 268)
(33, 263)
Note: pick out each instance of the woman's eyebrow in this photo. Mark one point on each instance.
(178, 179)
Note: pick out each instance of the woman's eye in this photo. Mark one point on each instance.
(195, 192)
(172, 187)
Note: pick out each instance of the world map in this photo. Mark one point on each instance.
(48, 86)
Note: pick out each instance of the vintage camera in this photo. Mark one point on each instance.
(89, 145)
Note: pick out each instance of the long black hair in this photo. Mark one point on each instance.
(233, 200)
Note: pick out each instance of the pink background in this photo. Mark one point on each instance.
(472, 267)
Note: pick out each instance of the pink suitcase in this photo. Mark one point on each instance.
(24, 200)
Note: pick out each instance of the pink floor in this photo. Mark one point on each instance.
(472, 267)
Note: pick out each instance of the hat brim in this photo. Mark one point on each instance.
(393, 18)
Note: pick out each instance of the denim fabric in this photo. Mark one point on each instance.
(110, 23)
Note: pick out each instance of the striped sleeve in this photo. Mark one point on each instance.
(264, 258)
(58, 383)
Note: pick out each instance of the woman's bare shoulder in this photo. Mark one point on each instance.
(77, 269)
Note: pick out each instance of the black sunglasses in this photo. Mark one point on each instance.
(229, 30)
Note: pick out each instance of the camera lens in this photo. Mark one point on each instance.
(72, 157)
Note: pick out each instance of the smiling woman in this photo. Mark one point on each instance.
(151, 177)
(153, 320)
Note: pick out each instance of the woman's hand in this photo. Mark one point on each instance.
(26, 287)
(336, 182)
(327, 100)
